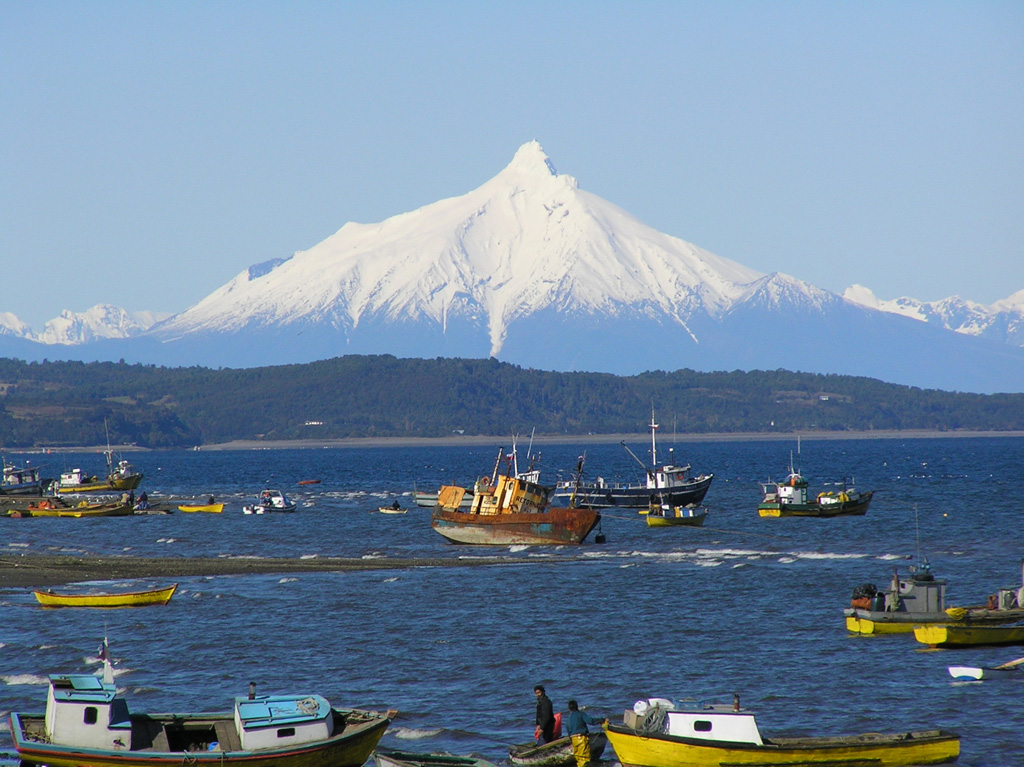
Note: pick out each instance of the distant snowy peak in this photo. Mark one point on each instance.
(102, 321)
(526, 240)
(11, 325)
(1002, 321)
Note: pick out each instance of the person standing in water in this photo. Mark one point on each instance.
(545, 732)
(576, 727)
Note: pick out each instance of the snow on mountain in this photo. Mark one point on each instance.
(1002, 321)
(526, 240)
(533, 270)
(102, 321)
(10, 325)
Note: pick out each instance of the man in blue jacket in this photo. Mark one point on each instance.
(576, 726)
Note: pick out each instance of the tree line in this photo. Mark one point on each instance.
(75, 403)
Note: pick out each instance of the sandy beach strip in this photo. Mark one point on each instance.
(36, 570)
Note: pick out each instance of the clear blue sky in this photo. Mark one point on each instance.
(150, 151)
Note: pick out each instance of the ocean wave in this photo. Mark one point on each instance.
(412, 733)
(23, 679)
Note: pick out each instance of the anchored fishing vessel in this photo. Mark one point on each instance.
(668, 483)
(789, 498)
(663, 515)
(88, 724)
(21, 480)
(660, 733)
(920, 600)
(510, 508)
(120, 477)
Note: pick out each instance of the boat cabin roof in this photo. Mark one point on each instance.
(81, 688)
(278, 710)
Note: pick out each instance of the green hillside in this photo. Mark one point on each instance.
(69, 403)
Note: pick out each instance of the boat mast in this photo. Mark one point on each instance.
(654, 444)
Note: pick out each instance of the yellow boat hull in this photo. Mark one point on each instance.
(867, 626)
(969, 636)
(634, 750)
(84, 510)
(210, 508)
(127, 599)
(103, 486)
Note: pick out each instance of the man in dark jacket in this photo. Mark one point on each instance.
(545, 716)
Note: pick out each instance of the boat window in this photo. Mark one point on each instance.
(702, 725)
(91, 715)
(286, 732)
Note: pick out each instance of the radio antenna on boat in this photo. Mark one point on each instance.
(921, 556)
(108, 668)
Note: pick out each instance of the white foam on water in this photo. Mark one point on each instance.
(289, 580)
(826, 555)
(391, 580)
(411, 733)
(19, 679)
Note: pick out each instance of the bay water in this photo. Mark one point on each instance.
(743, 605)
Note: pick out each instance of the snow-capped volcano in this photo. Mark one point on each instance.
(533, 270)
(527, 240)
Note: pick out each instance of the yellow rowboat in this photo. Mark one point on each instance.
(676, 516)
(660, 733)
(968, 636)
(211, 508)
(83, 510)
(124, 599)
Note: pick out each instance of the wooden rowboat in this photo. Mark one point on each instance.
(383, 758)
(664, 515)
(82, 510)
(977, 673)
(211, 508)
(557, 753)
(123, 599)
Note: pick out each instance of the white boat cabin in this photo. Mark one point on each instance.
(668, 477)
(707, 721)
(74, 478)
(82, 710)
(792, 491)
(272, 721)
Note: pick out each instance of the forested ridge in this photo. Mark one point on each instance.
(73, 403)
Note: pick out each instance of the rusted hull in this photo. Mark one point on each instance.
(552, 526)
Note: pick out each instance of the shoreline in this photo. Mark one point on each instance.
(540, 439)
(43, 570)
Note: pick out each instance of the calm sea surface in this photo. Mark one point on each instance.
(745, 605)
